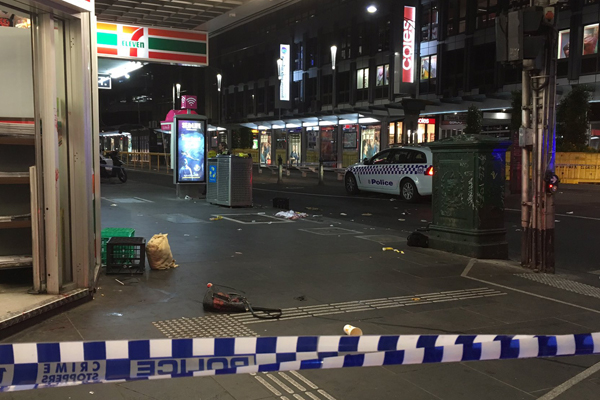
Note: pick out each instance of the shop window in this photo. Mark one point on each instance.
(564, 38)
(395, 130)
(429, 22)
(370, 141)
(486, 13)
(590, 39)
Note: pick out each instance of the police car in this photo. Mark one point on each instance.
(406, 171)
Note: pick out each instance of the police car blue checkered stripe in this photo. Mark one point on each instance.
(390, 169)
(32, 365)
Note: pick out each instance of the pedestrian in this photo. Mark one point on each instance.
(223, 149)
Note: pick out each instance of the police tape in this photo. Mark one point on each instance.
(38, 365)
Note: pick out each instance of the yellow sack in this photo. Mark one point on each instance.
(159, 252)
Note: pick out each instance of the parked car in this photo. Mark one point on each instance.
(406, 171)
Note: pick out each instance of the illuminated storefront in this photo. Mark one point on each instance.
(50, 215)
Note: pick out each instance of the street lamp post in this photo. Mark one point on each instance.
(219, 82)
(334, 76)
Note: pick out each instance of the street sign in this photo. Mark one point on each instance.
(104, 81)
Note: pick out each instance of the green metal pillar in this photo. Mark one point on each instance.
(468, 196)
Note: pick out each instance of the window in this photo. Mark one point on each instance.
(384, 35)
(429, 22)
(361, 40)
(381, 158)
(563, 43)
(417, 157)
(457, 14)
(299, 61)
(590, 39)
(383, 78)
(362, 78)
(486, 13)
(400, 156)
(428, 67)
(346, 45)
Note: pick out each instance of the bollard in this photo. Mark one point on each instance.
(321, 172)
(280, 170)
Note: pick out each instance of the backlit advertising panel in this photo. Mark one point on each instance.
(284, 54)
(191, 151)
(408, 45)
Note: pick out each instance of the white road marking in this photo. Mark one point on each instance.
(293, 382)
(472, 262)
(326, 395)
(283, 385)
(268, 385)
(297, 396)
(557, 391)
(312, 396)
(303, 379)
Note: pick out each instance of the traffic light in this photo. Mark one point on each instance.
(551, 182)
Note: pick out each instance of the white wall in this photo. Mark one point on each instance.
(16, 74)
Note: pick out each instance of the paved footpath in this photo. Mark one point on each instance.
(324, 272)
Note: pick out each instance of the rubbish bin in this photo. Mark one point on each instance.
(468, 196)
(229, 181)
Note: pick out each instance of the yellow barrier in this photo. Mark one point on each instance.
(578, 167)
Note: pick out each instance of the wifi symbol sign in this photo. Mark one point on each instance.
(189, 102)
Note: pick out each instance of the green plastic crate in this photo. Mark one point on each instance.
(108, 233)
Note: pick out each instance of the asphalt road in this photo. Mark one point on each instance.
(577, 213)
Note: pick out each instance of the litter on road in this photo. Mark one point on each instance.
(291, 214)
(343, 214)
(367, 214)
(570, 212)
(217, 218)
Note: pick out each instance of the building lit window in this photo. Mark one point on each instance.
(486, 13)
(383, 75)
(362, 78)
(429, 22)
(428, 67)
(564, 38)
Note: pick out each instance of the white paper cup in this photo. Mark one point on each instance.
(352, 330)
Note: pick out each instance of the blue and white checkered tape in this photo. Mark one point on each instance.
(390, 169)
(36, 365)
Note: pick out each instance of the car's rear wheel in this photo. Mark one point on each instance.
(351, 185)
(408, 191)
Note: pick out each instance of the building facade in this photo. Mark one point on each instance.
(406, 73)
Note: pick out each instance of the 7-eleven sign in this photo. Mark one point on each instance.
(141, 43)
